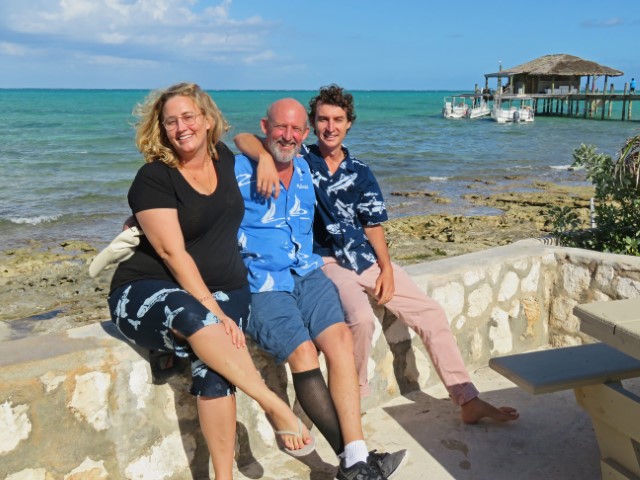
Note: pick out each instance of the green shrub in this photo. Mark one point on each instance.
(616, 202)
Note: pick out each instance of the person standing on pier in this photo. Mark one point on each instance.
(632, 86)
(348, 234)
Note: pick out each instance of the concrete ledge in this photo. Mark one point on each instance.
(82, 404)
(84, 397)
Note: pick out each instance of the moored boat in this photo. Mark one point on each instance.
(479, 108)
(465, 106)
(455, 107)
(512, 109)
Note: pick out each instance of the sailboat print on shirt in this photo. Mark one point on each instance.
(297, 210)
(267, 286)
(270, 216)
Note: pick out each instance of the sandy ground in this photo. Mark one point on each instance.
(44, 289)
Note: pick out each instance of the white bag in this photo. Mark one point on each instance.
(119, 250)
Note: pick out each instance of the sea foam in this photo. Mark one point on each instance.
(35, 220)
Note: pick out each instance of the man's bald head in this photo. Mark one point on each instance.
(286, 126)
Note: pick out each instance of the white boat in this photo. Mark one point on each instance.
(479, 109)
(512, 109)
(455, 107)
(465, 106)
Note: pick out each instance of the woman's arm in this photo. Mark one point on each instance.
(267, 175)
(384, 284)
(162, 229)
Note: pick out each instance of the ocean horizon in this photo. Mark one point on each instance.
(68, 155)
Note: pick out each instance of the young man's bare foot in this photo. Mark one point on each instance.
(475, 410)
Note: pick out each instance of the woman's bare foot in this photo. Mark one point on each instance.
(475, 410)
(292, 432)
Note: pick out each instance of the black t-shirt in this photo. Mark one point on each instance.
(209, 224)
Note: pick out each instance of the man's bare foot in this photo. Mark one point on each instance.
(475, 410)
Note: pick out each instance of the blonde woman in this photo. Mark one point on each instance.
(185, 288)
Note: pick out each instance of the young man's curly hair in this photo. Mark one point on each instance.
(332, 95)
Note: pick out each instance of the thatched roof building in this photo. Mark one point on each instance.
(553, 72)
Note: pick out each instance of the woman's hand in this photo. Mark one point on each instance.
(231, 328)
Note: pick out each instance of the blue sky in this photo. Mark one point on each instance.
(278, 44)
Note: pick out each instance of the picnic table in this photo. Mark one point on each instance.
(594, 371)
(616, 323)
(615, 411)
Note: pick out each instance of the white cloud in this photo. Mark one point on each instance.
(78, 8)
(106, 60)
(606, 23)
(220, 11)
(148, 28)
(79, 18)
(259, 57)
(13, 49)
(113, 38)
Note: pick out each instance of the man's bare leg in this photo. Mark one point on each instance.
(304, 358)
(475, 410)
(337, 345)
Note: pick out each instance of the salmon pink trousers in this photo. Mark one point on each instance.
(413, 308)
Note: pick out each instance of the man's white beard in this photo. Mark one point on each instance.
(278, 155)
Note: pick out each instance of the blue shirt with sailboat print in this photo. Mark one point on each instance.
(276, 235)
(347, 201)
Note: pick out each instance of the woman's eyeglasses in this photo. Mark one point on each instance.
(189, 119)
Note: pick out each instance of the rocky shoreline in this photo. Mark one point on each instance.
(430, 237)
(46, 289)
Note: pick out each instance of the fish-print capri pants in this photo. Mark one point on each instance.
(145, 311)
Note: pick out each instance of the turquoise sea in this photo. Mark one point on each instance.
(67, 157)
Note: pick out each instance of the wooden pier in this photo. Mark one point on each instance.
(554, 82)
(598, 106)
(585, 105)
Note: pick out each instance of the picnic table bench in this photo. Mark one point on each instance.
(594, 372)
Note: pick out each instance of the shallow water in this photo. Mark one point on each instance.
(68, 156)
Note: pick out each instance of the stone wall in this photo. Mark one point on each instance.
(84, 404)
(499, 301)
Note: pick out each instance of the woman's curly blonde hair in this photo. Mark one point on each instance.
(151, 137)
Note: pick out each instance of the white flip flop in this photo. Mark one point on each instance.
(300, 452)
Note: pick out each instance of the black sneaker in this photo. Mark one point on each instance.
(359, 471)
(388, 463)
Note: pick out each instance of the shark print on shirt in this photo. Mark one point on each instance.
(347, 201)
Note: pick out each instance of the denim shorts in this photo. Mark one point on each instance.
(281, 321)
(145, 311)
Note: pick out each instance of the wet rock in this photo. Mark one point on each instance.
(37, 280)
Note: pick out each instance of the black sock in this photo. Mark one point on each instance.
(315, 399)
